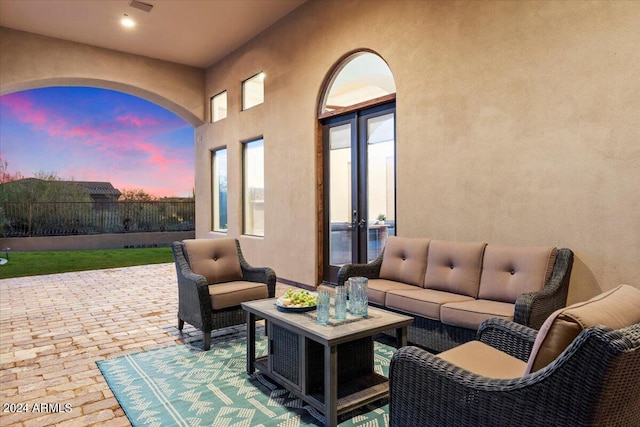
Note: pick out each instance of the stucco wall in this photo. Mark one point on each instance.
(517, 123)
(30, 61)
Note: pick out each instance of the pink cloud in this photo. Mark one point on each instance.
(24, 109)
(129, 119)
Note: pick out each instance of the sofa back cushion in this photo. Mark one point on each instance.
(215, 259)
(405, 260)
(509, 271)
(454, 267)
(615, 309)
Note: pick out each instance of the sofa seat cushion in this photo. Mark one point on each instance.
(454, 267)
(482, 359)
(469, 314)
(615, 309)
(422, 302)
(215, 259)
(378, 289)
(509, 271)
(405, 260)
(231, 294)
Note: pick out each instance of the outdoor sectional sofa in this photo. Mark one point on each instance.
(450, 288)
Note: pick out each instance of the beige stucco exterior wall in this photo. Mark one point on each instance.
(518, 123)
(30, 61)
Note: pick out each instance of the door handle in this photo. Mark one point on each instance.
(362, 224)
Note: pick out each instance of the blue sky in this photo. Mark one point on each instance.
(90, 134)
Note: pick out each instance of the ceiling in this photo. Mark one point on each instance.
(191, 32)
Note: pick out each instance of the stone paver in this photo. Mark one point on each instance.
(54, 328)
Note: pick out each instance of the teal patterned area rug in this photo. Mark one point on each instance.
(185, 386)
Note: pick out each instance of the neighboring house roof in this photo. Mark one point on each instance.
(97, 188)
(93, 188)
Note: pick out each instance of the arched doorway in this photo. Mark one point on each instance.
(357, 117)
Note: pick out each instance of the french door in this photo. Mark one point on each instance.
(359, 177)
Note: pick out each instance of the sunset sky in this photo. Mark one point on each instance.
(89, 134)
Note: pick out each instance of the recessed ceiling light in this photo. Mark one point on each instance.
(127, 22)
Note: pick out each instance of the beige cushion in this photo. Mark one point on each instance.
(405, 260)
(509, 271)
(615, 309)
(482, 359)
(215, 259)
(469, 314)
(454, 267)
(230, 294)
(378, 288)
(422, 302)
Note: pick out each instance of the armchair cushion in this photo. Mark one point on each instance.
(454, 267)
(215, 259)
(615, 309)
(509, 271)
(482, 359)
(405, 260)
(231, 294)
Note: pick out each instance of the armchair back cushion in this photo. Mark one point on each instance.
(454, 267)
(405, 260)
(615, 309)
(215, 259)
(509, 271)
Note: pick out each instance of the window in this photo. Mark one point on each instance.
(253, 91)
(219, 106)
(253, 187)
(361, 77)
(219, 189)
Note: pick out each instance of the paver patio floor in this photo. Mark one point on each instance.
(53, 328)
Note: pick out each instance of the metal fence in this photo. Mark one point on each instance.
(36, 219)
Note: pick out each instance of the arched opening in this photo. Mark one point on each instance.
(106, 84)
(95, 134)
(358, 173)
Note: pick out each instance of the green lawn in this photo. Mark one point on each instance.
(36, 263)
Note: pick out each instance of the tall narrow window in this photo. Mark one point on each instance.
(253, 91)
(219, 188)
(253, 191)
(219, 106)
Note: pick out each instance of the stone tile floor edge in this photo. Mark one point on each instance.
(53, 328)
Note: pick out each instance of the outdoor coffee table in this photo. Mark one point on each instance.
(328, 366)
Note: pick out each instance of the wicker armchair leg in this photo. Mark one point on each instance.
(207, 340)
(180, 324)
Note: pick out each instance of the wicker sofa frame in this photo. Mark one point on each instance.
(531, 309)
(594, 382)
(194, 304)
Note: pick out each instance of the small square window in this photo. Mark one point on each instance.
(253, 91)
(219, 106)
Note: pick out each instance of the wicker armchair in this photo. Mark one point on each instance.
(215, 282)
(594, 381)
